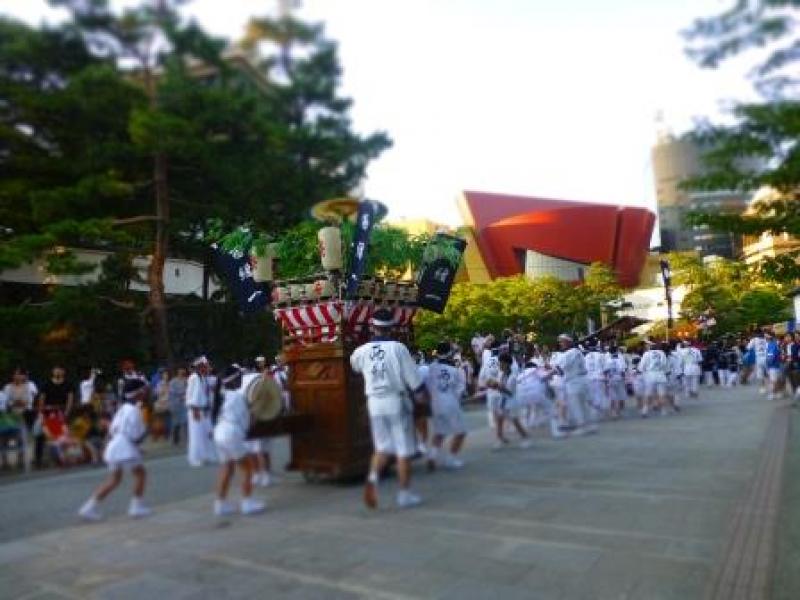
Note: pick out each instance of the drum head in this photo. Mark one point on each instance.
(264, 397)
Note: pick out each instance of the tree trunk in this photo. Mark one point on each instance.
(155, 273)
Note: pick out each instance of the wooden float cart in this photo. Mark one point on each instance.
(328, 421)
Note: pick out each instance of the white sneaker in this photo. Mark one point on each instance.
(422, 449)
(250, 506)
(451, 462)
(498, 445)
(525, 443)
(223, 508)
(265, 479)
(90, 512)
(407, 499)
(138, 509)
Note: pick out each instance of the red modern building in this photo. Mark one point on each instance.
(538, 236)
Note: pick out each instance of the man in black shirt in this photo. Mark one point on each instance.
(56, 394)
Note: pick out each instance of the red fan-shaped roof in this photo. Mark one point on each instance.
(581, 232)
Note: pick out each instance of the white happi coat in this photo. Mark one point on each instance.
(617, 371)
(654, 366)
(572, 367)
(597, 367)
(490, 371)
(126, 431)
(446, 385)
(389, 374)
(200, 447)
(692, 360)
(675, 372)
(759, 345)
(232, 425)
(532, 387)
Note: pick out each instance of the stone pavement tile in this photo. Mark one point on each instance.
(14, 583)
(402, 581)
(669, 580)
(21, 550)
(469, 588)
(148, 585)
(561, 557)
(625, 575)
(73, 576)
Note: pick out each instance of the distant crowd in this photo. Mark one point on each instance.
(64, 419)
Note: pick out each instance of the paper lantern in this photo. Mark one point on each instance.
(330, 248)
(263, 263)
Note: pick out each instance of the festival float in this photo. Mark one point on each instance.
(324, 315)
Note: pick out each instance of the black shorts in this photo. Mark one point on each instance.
(422, 410)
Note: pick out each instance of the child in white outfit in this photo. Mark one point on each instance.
(127, 430)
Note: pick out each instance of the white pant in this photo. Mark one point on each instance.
(393, 434)
(691, 384)
(200, 448)
(617, 392)
(577, 395)
(598, 395)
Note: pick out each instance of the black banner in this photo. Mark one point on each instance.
(436, 276)
(666, 275)
(236, 271)
(358, 259)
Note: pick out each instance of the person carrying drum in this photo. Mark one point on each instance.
(260, 447)
(127, 431)
(229, 436)
(389, 373)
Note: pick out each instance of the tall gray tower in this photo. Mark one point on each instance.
(674, 160)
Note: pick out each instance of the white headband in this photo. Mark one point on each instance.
(379, 323)
(232, 377)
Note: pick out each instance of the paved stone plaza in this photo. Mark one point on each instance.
(646, 509)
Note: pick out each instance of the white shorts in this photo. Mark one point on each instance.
(774, 375)
(129, 463)
(231, 449)
(449, 423)
(259, 445)
(655, 388)
(393, 434)
(501, 404)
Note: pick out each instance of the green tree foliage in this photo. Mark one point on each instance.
(129, 131)
(738, 297)
(747, 25)
(545, 306)
(760, 149)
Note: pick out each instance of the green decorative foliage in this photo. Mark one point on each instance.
(545, 306)
(392, 251)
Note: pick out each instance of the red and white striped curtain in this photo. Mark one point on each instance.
(314, 323)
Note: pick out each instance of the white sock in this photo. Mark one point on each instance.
(372, 477)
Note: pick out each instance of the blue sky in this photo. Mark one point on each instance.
(537, 97)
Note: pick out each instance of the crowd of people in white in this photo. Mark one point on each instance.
(568, 391)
